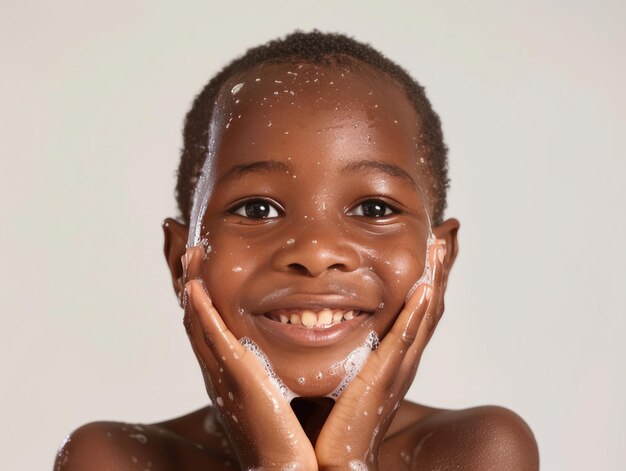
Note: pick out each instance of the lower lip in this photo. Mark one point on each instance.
(299, 335)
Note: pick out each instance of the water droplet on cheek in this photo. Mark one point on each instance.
(319, 375)
(220, 401)
(301, 380)
(237, 269)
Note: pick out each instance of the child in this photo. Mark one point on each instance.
(311, 260)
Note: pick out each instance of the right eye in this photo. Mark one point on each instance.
(256, 209)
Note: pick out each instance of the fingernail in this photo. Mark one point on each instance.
(183, 262)
(421, 293)
(441, 252)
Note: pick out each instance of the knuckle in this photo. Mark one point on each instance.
(208, 340)
(188, 324)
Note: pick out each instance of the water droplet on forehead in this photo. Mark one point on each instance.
(140, 437)
(236, 88)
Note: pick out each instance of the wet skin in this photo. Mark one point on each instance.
(319, 198)
(314, 249)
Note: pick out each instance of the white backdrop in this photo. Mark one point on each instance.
(532, 99)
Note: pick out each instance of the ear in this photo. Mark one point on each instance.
(448, 231)
(174, 247)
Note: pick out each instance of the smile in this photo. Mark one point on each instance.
(309, 318)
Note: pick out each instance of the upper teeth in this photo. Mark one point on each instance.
(309, 318)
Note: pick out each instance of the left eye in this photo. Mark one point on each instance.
(373, 209)
(256, 209)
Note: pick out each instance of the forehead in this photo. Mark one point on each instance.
(312, 111)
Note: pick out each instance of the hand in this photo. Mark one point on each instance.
(258, 420)
(354, 430)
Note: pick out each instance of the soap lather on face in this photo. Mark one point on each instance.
(354, 218)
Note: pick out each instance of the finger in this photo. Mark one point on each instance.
(216, 335)
(435, 306)
(192, 263)
(203, 353)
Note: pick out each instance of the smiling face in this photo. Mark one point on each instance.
(315, 214)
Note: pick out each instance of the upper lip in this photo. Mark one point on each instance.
(355, 292)
(315, 302)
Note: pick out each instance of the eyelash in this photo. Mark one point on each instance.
(389, 209)
(241, 209)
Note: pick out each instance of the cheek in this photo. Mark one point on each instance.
(399, 269)
(228, 264)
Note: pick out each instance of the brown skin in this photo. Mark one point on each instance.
(318, 248)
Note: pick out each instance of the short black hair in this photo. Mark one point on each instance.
(313, 47)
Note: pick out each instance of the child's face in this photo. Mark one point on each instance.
(316, 200)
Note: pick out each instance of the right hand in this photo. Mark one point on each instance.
(259, 421)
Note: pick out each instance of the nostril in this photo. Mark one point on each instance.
(298, 268)
(303, 270)
(338, 266)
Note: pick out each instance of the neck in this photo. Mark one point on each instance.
(312, 412)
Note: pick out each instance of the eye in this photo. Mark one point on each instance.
(256, 209)
(373, 208)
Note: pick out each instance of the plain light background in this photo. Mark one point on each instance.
(531, 95)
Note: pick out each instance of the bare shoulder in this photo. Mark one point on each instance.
(121, 446)
(479, 438)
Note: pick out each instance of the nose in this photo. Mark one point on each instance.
(312, 251)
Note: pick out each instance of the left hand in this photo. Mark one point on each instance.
(354, 430)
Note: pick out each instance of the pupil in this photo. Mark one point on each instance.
(373, 209)
(257, 209)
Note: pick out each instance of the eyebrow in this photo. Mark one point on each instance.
(266, 166)
(377, 165)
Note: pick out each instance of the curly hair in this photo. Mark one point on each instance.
(313, 47)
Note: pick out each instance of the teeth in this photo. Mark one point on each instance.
(324, 317)
(309, 318)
